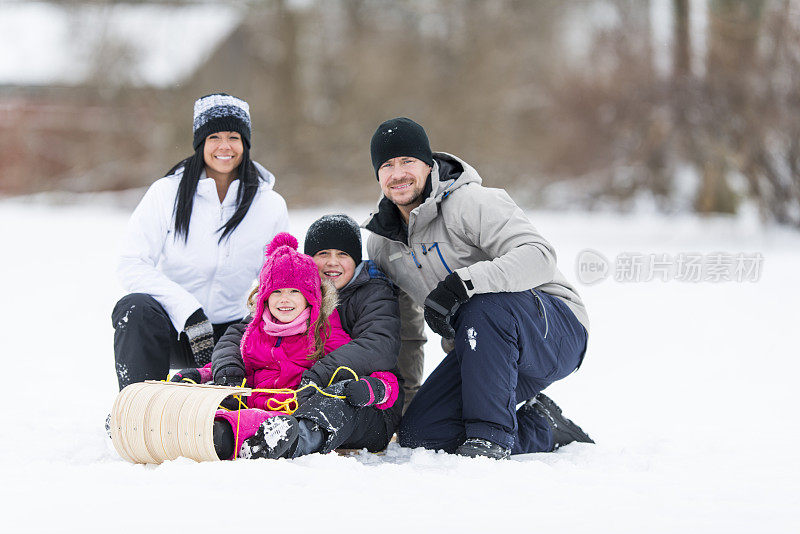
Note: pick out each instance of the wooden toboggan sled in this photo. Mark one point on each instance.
(156, 421)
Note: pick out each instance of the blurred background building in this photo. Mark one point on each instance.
(677, 105)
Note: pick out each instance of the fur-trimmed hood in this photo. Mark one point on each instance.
(330, 299)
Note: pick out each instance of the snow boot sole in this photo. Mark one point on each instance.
(564, 431)
(275, 438)
(475, 447)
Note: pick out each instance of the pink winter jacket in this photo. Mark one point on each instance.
(279, 362)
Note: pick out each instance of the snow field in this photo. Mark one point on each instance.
(688, 388)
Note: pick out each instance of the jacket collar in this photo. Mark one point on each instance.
(206, 187)
(360, 277)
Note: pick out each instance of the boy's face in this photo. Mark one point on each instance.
(336, 266)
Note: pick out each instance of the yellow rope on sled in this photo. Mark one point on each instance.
(286, 406)
(238, 418)
(289, 406)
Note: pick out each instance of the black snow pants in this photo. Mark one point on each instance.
(146, 345)
(347, 427)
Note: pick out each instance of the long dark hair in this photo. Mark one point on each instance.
(192, 168)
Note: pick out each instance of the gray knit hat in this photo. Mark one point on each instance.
(220, 112)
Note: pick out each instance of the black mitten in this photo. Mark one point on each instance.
(304, 394)
(365, 391)
(442, 303)
(229, 375)
(187, 375)
(201, 337)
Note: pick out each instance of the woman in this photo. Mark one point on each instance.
(193, 247)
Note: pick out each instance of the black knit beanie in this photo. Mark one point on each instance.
(399, 137)
(334, 231)
(220, 112)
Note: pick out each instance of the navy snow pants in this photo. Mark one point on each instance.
(508, 348)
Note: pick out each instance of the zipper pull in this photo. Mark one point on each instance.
(539, 304)
(419, 266)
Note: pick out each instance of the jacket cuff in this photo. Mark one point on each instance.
(197, 317)
(180, 313)
(205, 373)
(311, 376)
(463, 274)
(392, 389)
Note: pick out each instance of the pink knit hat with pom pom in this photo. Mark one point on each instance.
(285, 267)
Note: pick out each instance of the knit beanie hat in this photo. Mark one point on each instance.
(285, 267)
(334, 231)
(220, 112)
(399, 137)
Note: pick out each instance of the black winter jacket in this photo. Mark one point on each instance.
(369, 313)
(227, 352)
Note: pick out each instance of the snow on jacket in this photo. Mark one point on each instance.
(463, 227)
(201, 272)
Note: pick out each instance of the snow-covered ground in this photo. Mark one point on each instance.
(689, 389)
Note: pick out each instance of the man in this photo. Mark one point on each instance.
(488, 284)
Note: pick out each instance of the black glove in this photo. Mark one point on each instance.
(307, 393)
(365, 392)
(187, 375)
(442, 303)
(229, 375)
(201, 337)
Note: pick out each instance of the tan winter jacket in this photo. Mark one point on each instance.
(476, 231)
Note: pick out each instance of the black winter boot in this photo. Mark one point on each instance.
(275, 438)
(474, 447)
(224, 440)
(564, 431)
(310, 438)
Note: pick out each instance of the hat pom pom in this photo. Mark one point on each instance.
(282, 239)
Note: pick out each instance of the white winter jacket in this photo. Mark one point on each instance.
(201, 272)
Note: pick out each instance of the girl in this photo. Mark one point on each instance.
(193, 246)
(294, 325)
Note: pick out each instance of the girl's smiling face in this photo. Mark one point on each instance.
(286, 304)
